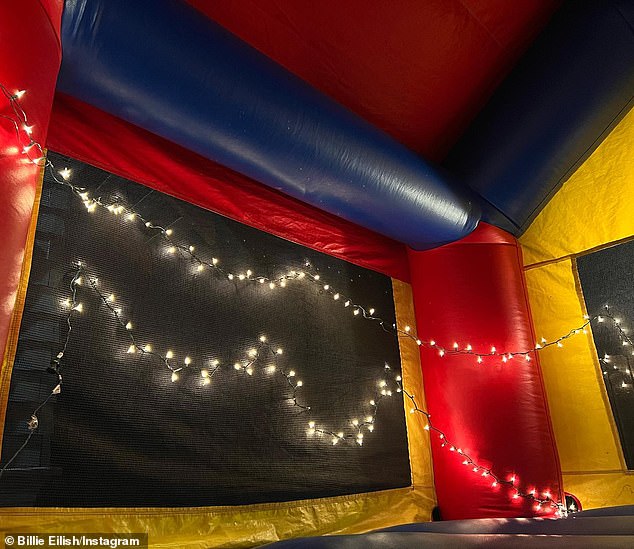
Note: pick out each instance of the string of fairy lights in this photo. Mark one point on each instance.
(263, 350)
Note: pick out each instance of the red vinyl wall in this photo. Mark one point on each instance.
(496, 412)
(29, 60)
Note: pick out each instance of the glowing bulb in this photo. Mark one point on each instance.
(130, 217)
(215, 362)
(441, 352)
(311, 424)
(347, 304)
(527, 358)
(174, 377)
(171, 249)
(479, 360)
(369, 419)
(169, 232)
(79, 308)
(300, 383)
(187, 361)
(263, 339)
(230, 276)
(426, 427)
(65, 173)
(279, 351)
(340, 435)
(237, 366)
(398, 378)
(432, 343)
(356, 312)
(538, 346)
(600, 318)
(291, 373)
(560, 344)
(493, 349)
(27, 129)
(272, 285)
(355, 422)
(316, 277)
(372, 403)
(494, 483)
(382, 383)
(419, 342)
(147, 223)
(131, 349)
(200, 268)
(370, 428)
(253, 352)
(407, 328)
(283, 283)
(206, 381)
(455, 345)
(336, 297)
(271, 369)
(241, 276)
(326, 286)
(249, 272)
(513, 479)
(169, 354)
(249, 370)
(516, 496)
(371, 311)
(66, 303)
(204, 373)
(214, 261)
(334, 440)
(19, 94)
(504, 359)
(191, 248)
(148, 348)
(110, 298)
(469, 348)
(78, 281)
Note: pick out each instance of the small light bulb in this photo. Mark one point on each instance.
(241, 276)
(130, 217)
(79, 308)
(479, 359)
(237, 366)
(174, 377)
(169, 355)
(336, 297)
(455, 345)
(398, 378)
(252, 352)
(27, 129)
(271, 369)
(371, 311)
(369, 419)
(19, 94)
(66, 303)
(65, 173)
(215, 362)
(171, 250)
(230, 276)
(128, 326)
(131, 349)
(493, 349)
(494, 483)
(291, 373)
(169, 232)
(214, 261)
(279, 351)
(249, 370)
(334, 440)
(407, 328)
(191, 248)
(148, 224)
(272, 285)
(283, 283)
(299, 383)
(311, 424)
(263, 339)
(370, 428)
(206, 381)
(148, 348)
(356, 312)
(347, 304)
(441, 352)
(200, 268)
(316, 277)
(249, 272)
(187, 361)
(204, 373)
(355, 422)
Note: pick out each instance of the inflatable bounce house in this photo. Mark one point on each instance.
(317, 274)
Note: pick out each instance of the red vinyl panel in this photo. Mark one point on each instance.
(29, 60)
(95, 137)
(496, 412)
(420, 70)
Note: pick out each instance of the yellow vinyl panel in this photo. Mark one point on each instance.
(595, 207)
(587, 441)
(249, 525)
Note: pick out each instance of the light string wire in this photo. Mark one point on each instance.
(117, 209)
(264, 351)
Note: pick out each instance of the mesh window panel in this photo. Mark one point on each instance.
(123, 434)
(606, 279)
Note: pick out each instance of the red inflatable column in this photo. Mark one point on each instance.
(472, 293)
(30, 55)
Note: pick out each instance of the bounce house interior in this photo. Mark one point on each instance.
(317, 274)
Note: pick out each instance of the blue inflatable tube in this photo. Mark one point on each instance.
(568, 91)
(163, 66)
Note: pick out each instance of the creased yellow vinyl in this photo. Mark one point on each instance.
(588, 444)
(252, 525)
(595, 207)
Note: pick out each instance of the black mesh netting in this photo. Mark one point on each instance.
(606, 279)
(121, 433)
